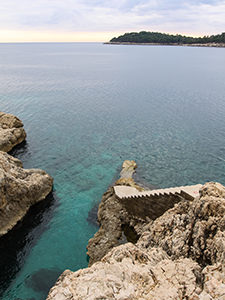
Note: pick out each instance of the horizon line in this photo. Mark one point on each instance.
(24, 36)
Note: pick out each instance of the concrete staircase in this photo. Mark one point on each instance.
(189, 192)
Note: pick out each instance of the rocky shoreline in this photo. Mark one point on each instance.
(12, 132)
(176, 253)
(179, 255)
(215, 45)
(19, 188)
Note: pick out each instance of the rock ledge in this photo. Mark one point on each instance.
(19, 189)
(179, 255)
(12, 132)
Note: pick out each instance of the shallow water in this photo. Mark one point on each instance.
(86, 108)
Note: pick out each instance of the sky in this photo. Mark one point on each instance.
(101, 20)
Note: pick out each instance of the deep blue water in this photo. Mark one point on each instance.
(86, 108)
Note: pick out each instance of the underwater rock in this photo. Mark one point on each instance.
(92, 217)
(12, 132)
(19, 190)
(42, 280)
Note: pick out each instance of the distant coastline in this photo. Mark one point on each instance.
(165, 39)
(215, 45)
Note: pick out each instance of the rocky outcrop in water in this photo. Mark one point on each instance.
(19, 189)
(128, 272)
(114, 219)
(12, 132)
(126, 175)
(180, 255)
(111, 216)
(123, 220)
(194, 229)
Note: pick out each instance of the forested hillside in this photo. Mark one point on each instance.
(163, 38)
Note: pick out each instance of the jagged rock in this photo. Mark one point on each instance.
(112, 217)
(19, 189)
(116, 224)
(128, 272)
(12, 132)
(192, 229)
(214, 282)
(126, 175)
(178, 256)
(110, 213)
(119, 218)
(214, 189)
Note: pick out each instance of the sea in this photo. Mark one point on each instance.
(87, 107)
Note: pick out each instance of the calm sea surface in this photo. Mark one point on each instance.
(86, 108)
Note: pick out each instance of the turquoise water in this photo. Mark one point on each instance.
(86, 108)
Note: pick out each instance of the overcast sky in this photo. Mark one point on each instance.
(101, 20)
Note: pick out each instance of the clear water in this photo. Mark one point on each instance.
(88, 107)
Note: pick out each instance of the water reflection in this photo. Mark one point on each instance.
(16, 245)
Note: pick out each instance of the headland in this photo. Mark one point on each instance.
(176, 254)
(19, 188)
(148, 38)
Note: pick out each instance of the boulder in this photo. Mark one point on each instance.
(12, 132)
(128, 272)
(194, 229)
(126, 175)
(19, 190)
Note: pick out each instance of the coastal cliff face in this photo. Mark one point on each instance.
(19, 189)
(128, 272)
(12, 132)
(180, 255)
(114, 220)
(192, 229)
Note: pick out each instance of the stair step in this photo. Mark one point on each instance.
(127, 191)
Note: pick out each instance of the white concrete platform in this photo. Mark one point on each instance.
(123, 191)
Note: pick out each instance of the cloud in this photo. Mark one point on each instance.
(178, 16)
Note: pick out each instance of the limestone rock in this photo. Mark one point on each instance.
(192, 229)
(12, 132)
(178, 256)
(126, 175)
(214, 189)
(128, 168)
(214, 282)
(110, 215)
(19, 189)
(122, 219)
(128, 272)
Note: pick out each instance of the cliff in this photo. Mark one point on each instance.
(12, 132)
(19, 189)
(130, 272)
(179, 255)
